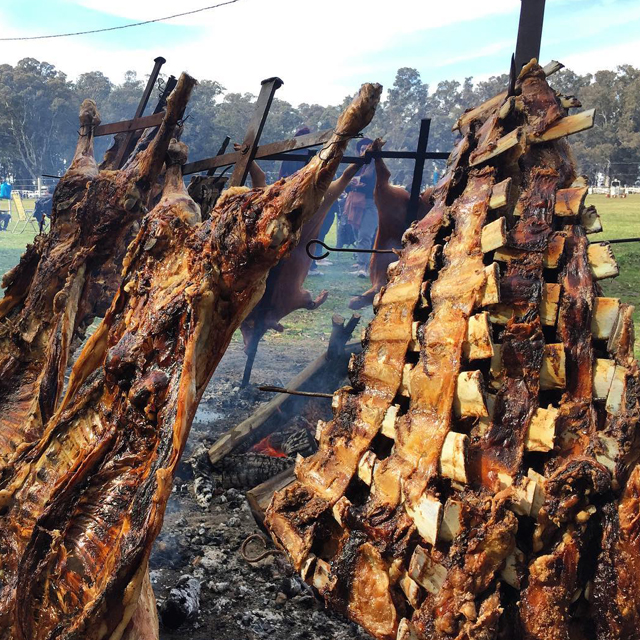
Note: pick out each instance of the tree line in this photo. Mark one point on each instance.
(39, 106)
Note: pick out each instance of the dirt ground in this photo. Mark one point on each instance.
(238, 600)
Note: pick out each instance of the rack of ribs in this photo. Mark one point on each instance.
(485, 453)
(67, 277)
(83, 505)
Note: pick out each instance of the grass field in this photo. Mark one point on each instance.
(620, 218)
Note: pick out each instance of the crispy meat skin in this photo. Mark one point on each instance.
(134, 391)
(70, 275)
(419, 534)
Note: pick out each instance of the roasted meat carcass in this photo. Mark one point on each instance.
(485, 454)
(392, 203)
(97, 481)
(284, 292)
(69, 276)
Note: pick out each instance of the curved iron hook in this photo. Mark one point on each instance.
(265, 554)
(341, 250)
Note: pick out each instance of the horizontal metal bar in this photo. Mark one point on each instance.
(129, 125)
(293, 144)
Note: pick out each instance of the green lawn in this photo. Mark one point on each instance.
(620, 218)
(13, 244)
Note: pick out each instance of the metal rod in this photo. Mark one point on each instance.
(291, 392)
(330, 249)
(221, 150)
(48, 175)
(418, 170)
(619, 240)
(529, 32)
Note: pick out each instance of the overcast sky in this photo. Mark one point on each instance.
(322, 49)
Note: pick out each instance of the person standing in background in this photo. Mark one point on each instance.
(360, 209)
(5, 205)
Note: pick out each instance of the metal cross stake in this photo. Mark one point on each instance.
(139, 121)
(529, 32)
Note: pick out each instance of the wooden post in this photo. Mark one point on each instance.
(254, 131)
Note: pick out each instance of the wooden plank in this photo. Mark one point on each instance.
(605, 312)
(494, 235)
(259, 497)
(154, 120)
(569, 202)
(566, 127)
(238, 434)
(263, 151)
(602, 261)
(500, 194)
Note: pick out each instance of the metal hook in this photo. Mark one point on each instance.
(265, 554)
(341, 250)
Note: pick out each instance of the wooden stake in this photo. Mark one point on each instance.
(552, 373)
(451, 525)
(494, 235)
(427, 516)
(542, 430)
(617, 390)
(505, 143)
(411, 590)
(566, 127)
(602, 261)
(340, 509)
(453, 458)
(425, 572)
(603, 371)
(500, 194)
(539, 494)
(552, 67)
(549, 303)
(259, 497)
(621, 329)
(406, 631)
(405, 385)
(388, 427)
(605, 312)
(570, 202)
(491, 290)
(550, 258)
(468, 400)
(590, 220)
(322, 580)
(478, 344)
(513, 566)
(500, 314)
(552, 255)
(365, 467)
(479, 112)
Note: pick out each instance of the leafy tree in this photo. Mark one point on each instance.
(38, 121)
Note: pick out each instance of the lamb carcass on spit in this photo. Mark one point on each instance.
(486, 453)
(284, 291)
(69, 276)
(392, 203)
(98, 480)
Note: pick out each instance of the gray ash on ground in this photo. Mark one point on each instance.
(238, 600)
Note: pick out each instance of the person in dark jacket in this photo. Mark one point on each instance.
(44, 206)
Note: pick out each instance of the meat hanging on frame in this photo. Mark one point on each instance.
(479, 478)
(67, 277)
(98, 480)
